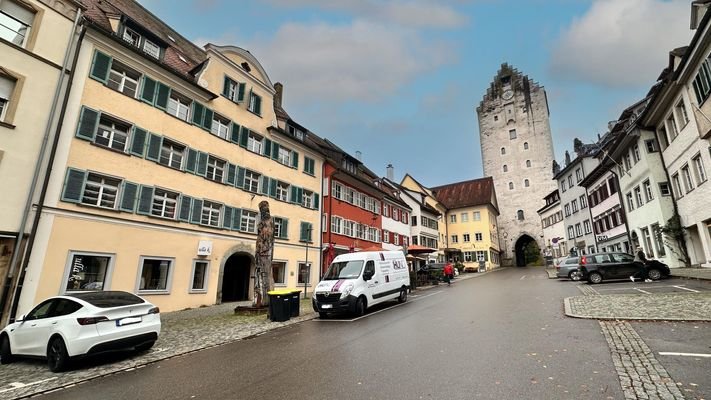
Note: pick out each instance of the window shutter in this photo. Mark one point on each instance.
(138, 141)
(226, 88)
(196, 213)
(293, 197)
(295, 159)
(284, 228)
(316, 201)
(240, 177)
(100, 67)
(267, 147)
(201, 164)
(264, 185)
(191, 161)
(303, 231)
(272, 187)
(145, 200)
(240, 93)
(73, 185)
(236, 218)
(162, 95)
(243, 136)
(234, 135)
(299, 196)
(198, 113)
(227, 217)
(154, 144)
(231, 174)
(486, 255)
(258, 105)
(148, 90)
(185, 204)
(88, 123)
(207, 120)
(275, 151)
(128, 197)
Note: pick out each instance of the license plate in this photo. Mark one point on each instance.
(326, 306)
(128, 321)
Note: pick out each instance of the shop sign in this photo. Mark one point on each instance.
(204, 248)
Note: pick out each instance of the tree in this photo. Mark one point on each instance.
(673, 233)
(263, 256)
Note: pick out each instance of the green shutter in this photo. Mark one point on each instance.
(275, 151)
(240, 93)
(236, 218)
(267, 148)
(272, 187)
(295, 159)
(240, 177)
(284, 228)
(148, 90)
(145, 199)
(196, 214)
(294, 195)
(191, 162)
(198, 113)
(264, 184)
(201, 164)
(162, 96)
(226, 88)
(234, 135)
(231, 174)
(138, 141)
(207, 120)
(243, 136)
(100, 67)
(128, 197)
(155, 142)
(308, 165)
(185, 204)
(227, 217)
(316, 201)
(88, 123)
(305, 232)
(299, 195)
(73, 185)
(257, 105)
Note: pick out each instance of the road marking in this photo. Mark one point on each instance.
(522, 278)
(683, 288)
(669, 353)
(419, 297)
(16, 385)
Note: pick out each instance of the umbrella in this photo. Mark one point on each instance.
(417, 249)
(373, 248)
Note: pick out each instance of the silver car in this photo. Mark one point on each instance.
(568, 268)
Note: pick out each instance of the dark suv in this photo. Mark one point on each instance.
(597, 267)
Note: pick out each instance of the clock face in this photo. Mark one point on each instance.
(507, 94)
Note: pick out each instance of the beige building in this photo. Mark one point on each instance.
(165, 153)
(34, 40)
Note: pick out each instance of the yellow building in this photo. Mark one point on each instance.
(165, 153)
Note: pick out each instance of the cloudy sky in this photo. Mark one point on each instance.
(399, 80)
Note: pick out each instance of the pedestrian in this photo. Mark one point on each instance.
(642, 259)
(448, 272)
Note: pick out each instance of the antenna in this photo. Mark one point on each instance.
(606, 154)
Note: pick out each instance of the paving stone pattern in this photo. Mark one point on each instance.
(658, 306)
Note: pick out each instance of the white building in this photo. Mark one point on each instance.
(608, 216)
(396, 215)
(553, 227)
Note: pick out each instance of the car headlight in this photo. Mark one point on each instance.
(346, 290)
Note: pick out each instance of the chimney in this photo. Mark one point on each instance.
(279, 88)
(390, 172)
(358, 155)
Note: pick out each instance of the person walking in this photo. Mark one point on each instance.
(448, 272)
(642, 258)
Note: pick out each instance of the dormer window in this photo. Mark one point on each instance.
(295, 132)
(132, 37)
(151, 49)
(349, 166)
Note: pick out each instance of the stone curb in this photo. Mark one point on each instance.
(569, 312)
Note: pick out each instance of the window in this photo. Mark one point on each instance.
(525, 145)
(651, 146)
(337, 190)
(519, 215)
(336, 223)
(233, 90)
(578, 230)
(570, 180)
(583, 202)
(155, 274)
(199, 280)
(284, 156)
(477, 216)
(112, 133)
(512, 134)
(87, 271)
(308, 199)
(281, 227)
(453, 218)
(7, 86)
(702, 82)
(511, 185)
(678, 193)
(671, 127)
(699, 171)
(255, 103)
(220, 127)
(478, 237)
(574, 205)
(465, 217)
(295, 132)
(151, 49)
(178, 106)
(628, 161)
(567, 210)
(164, 203)
(309, 165)
(662, 134)
(528, 163)
(132, 37)
(506, 168)
(305, 274)
(503, 150)
(578, 175)
(647, 240)
(254, 143)
(123, 79)
(251, 181)
(635, 153)
(571, 233)
(587, 227)
(664, 189)
(648, 193)
(466, 238)
(15, 22)
(210, 215)
(279, 272)
(171, 154)
(282, 191)
(455, 239)
(562, 185)
(216, 170)
(306, 229)
(681, 115)
(638, 196)
(101, 191)
(248, 221)
(688, 182)
(658, 240)
(526, 183)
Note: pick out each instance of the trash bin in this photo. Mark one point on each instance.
(295, 302)
(279, 305)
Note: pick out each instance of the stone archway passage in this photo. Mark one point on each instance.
(525, 252)
(235, 278)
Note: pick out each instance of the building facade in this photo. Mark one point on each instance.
(608, 216)
(395, 215)
(553, 227)
(517, 152)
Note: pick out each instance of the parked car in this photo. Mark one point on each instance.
(608, 266)
(79, 324)
(568, 268)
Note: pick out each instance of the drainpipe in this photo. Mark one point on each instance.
(47, 172)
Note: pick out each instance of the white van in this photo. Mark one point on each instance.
(356, 281)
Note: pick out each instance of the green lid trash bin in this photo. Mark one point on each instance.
(295, 301)
(279, 305)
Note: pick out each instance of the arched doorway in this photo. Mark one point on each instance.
(527, 251)
(235, 278)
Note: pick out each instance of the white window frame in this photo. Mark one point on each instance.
(131, 37)
(687, 178)
(255, 142)
(220, 127)
(307, 265)
(216, 169)
(210, 213)
(102, 188)
(68, 269)
(253, 102)
(251, 181)
(205, 278)
(172, 154)
(110, 130)
(649, 193)
(699, 171)
(284, 266)
(125, 83)
(151, 49)
(168, 280)
(284, 156)
(248, 220)
(25, 23)
(178, 106)
(162, 202)
(282, 191)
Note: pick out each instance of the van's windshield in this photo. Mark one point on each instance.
(344, 270)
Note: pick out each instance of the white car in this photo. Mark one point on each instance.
(79, 324)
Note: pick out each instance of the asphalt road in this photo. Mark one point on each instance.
(501, 335)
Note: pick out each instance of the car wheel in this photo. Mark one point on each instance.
(594, 277)
(654, 274)
(360, 307)
(403, 296)
(145, 346)
(323, 315)
(57, 356)
(574, 276)
(5, 353)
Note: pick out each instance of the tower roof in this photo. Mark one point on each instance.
(508, 75)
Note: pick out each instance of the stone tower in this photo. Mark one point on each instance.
(517, 152)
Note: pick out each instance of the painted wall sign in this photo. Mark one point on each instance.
(204, 248)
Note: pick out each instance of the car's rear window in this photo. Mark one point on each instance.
(570, 261)
(109, 299)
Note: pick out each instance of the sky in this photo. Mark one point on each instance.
(400, 80)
